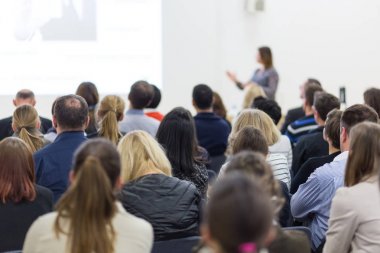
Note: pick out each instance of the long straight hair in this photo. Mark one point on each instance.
(25, 120)
(110, 112)
(89, 204)
(364, 156)
(176, 134)
(266, 57)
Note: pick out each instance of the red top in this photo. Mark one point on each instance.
(156, 115)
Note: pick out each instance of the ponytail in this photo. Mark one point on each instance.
(89, 206)
(109, 127)
(34, 142)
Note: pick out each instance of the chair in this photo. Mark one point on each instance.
(216, 163)
(13, 251)
(306, 230)
(183, 245)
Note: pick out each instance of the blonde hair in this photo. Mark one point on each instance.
(258, 119)
(252, 92)
(141, 153)
(110, 112)
(25, 121)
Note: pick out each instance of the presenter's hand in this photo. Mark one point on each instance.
(232, 76)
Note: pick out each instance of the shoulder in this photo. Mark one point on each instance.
(129, 221)
(44, 192)
(276, 157)
(4, 121)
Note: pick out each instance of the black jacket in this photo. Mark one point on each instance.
(6, 127)
(172, 206)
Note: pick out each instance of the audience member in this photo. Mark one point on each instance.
(88, 218)
(53, 162)
(304, 125)
(354, 224)
(312, 201)
(21, 201)
(268, 106)
(151, 109)
(26, 125)
(254, 165)
(177, 135)
(22, 97)
(110, 112)
(331, 134)
(298, 112)
(51, 133)
(280, 150)
(139, 97)
(372, 99)
(313, 144)
(249, 212)
(218, 107)
(89, 92)
(212, 130)
(171, 205)
(252, 92)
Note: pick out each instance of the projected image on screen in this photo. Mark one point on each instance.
(50, 46)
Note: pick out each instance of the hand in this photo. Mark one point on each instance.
(232, 76)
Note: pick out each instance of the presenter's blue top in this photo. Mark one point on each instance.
(268, 80)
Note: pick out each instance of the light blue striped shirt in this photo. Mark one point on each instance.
(312, 201)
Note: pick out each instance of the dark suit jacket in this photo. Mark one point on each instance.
(6, 126)
(291, 116)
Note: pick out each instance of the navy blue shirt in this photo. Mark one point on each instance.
(53, 162)
(212, 132)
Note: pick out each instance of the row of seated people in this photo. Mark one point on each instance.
(187, 143)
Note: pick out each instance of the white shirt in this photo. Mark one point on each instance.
(132, 234)
(283, 147)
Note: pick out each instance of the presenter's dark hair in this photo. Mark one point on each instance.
(156, 98)
(356, 114)
(71, 111)
(266, 57)
(202, 96)
(268, 106)
(325, 103)
(140, 95)
(372, 98)
(176, 134)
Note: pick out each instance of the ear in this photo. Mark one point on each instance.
(38, 125)
(71, 176)
(119, 183)
(13, 127)
(87, 122)
(121, 117)
(55, 125)
(14, 102)
(269, 238)
(33, 102)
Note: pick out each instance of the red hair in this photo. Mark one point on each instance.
(16, 171)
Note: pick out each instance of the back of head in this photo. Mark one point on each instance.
(372, 98)
(332, 127)
(364, 157)
(176, 134)
(255, 165)
(23, 97)
(156, 98)
(266, 57)
(71, 113)
(218, 106)
(89, 92)
(251, 93)
(259, 120)
(310, 90)
(16, 171)
(140, 153)
(324, 103)
(313, 81)
(140, 95)
(238, 214)
(25, 122)
(268, 106)
(89, 203)
(250, 138)
(356, 114)
(110, 112)
(202, 96)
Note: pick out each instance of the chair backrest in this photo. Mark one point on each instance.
(183, 245)
(306, 230)
(216, 163)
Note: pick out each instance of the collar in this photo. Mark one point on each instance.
(205, 114)
(341, 157)
(69, 134)
(135, 112)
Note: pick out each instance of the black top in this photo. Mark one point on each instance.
(291, 116)
(172, 206)
(285, 216)
(309, 167)
(308, 146)
(16, 218)
(199, 177)
(6, 127)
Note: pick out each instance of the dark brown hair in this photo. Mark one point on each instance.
(16, 171)
(332, 127)
(71, 112)
(238, 213)
(250, 138)
(364, 156)
(324, 103)
(218, 106)
(372, 98)
(89, 92)
(357, 113)
(141, 94)
(89, 203)
(266, 57)
(310, 90)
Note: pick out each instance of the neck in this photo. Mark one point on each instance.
(204, 110)
(60, 130)
(308, 111)
(319, 121)
(332, 149)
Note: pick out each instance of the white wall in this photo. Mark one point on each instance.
(334, 41)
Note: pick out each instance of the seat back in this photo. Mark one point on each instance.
(183, 245)
(306, 230)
